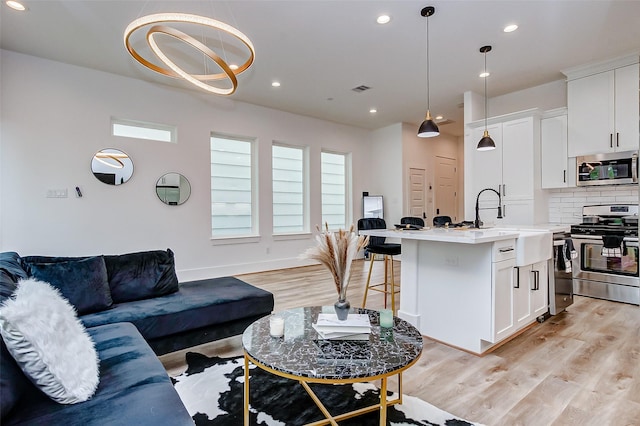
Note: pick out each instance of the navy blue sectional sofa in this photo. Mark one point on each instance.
(134, 309)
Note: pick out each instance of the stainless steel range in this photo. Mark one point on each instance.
(607, 247)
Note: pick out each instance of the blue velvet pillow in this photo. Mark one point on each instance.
(142, 275)
(83, 282)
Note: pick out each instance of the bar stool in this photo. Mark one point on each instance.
(378, 246)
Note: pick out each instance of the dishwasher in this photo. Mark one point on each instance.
(560, 275)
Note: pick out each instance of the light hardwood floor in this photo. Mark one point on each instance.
(581, 367)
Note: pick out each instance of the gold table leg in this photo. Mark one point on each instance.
(246, 390)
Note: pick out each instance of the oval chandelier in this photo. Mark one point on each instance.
(171, 68)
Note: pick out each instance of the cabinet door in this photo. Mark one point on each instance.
(539, 289)
(517, 158)
(522, 296)
(502, 283)
(553, 135)
(487, 165)
(590, 104)
(626, 108)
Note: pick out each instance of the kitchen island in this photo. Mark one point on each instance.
(465, 288)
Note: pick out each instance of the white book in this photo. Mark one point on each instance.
(341, 335)
(355, 323)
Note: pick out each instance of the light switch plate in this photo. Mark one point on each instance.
(57, 193)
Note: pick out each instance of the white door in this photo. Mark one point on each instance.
(522, 296)
(503, 324)
(446, 196)
(517, 158)
(417, 198)
(627, 110)
(539, 289)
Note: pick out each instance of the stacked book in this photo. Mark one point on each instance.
(355, 327)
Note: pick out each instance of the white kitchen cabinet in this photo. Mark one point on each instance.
(530, 290)
(603, 109)
(513, 169)
(554, 155)
(503, 299)
(517, 159)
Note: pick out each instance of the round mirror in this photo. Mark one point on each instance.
(112, 166)
(173, 189)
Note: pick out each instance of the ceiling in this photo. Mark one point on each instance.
(321, 50)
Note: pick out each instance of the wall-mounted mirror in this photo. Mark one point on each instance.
(173, 189)
(112, 166)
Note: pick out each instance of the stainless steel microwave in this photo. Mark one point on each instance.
(614, 168)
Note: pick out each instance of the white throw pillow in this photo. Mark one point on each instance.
(42, 332)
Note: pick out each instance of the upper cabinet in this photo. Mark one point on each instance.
(513, 169)
(603, 107)
(558, 171)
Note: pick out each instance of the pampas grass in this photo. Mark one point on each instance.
(336, 251)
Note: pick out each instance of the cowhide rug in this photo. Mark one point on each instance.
(212, 391)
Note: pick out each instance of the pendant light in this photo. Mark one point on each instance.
(486, 143)
(428, 128)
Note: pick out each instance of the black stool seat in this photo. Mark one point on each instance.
(388, 249)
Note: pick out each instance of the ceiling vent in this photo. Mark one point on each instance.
(445, 122)
(361, 88)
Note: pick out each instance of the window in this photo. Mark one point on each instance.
(334, 190)
(141, 130)
(232, 192)
(289, 206)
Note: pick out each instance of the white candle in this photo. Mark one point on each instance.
(276, 326)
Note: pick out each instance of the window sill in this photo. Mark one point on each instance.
(289, 237)
(221, 241)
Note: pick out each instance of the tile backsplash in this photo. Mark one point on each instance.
(565, 204)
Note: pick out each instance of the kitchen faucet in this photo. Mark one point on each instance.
(477, 223)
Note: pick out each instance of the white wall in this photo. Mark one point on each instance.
(56, 116)
(385, 177)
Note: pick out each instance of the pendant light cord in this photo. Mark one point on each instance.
(486, 102)
(428, 94)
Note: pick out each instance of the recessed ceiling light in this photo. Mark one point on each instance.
(510, 28)
(484, 74)
(373, 110)
(16, 5)
(383, 19)
(233, 66)
(275, 84)
(439, 117)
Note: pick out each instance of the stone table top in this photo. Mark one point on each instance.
(302, 353)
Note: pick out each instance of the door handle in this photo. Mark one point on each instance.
(564, 178)
(517, 281)
(536, 280)
(610, 140)
(617, 139)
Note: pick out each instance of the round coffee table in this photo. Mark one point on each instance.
(301, 355)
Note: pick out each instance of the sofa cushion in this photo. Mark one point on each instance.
(134, 389)
(197, 304)
(10, 272)
(83, 282)
(13, 382)
(142, 275)
(44, 336)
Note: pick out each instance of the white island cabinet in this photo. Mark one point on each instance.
(459, 286)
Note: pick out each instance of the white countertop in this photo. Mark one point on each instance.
(447, 235)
